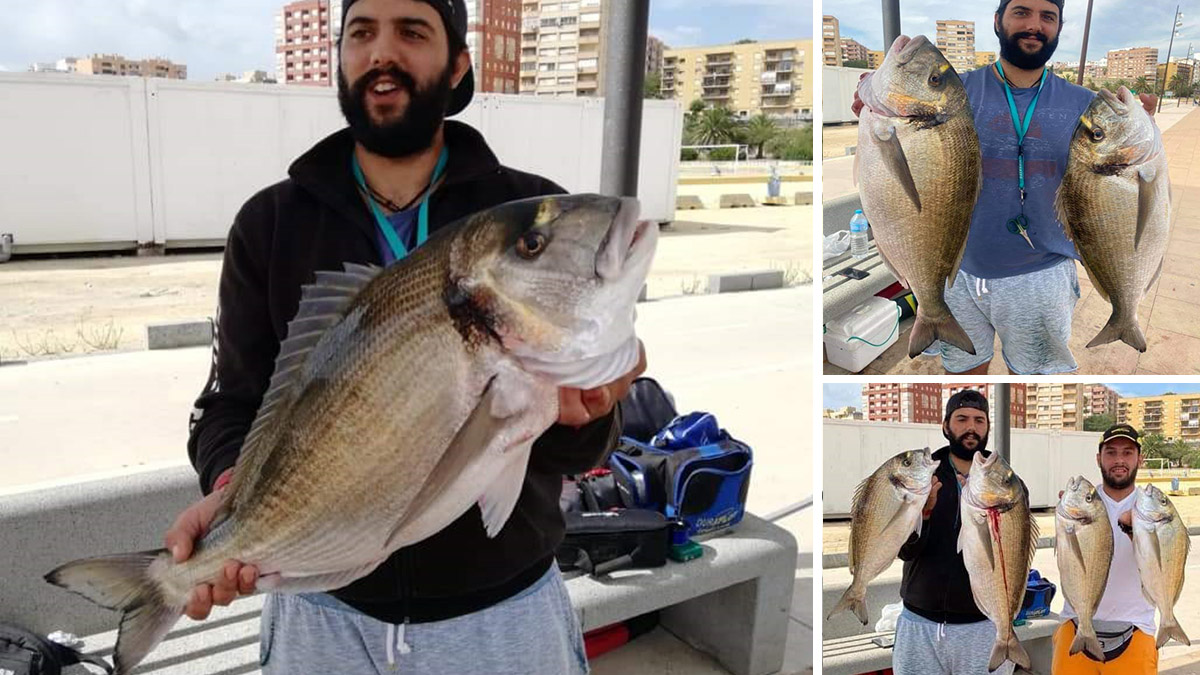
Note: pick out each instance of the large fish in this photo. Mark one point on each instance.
(1160, 545)
(401, 398)
(997, 541)
(885, 512)
(1115, 203)
(918, 172)
(1083, 546)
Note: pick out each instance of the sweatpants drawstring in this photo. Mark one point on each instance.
(396, 643)
(980, 287)
(941, 631)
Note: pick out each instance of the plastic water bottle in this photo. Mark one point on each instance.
(858, 235)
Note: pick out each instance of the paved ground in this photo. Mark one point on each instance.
(745, 357)
(1170, 313)
(83, 305)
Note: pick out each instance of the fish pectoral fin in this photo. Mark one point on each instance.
(1073, 542)
(1156, 548)
(498, 501)
(1147, 179)
(893, 157)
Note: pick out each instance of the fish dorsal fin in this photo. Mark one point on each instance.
(322, 305)
(1033, 531)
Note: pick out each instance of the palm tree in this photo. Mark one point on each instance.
(1178, 83)
(1141, 85)
(759, 131)
(714, 126)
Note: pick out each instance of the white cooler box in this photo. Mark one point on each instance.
(859, 336)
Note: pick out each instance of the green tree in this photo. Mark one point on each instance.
(1176, 450)
(759, 131)
(714, 126)
(1091, 84)
(855, 63)
(1153, 445)
(1098, 422)
(793, 144)
(745, 41)
(1141, 85)
(652, 86)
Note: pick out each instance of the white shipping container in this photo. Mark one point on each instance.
(838, 85)
(93, 163)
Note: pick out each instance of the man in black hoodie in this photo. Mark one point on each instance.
(370, 194)
(941, 630)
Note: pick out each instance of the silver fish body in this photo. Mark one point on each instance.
(1160, 546)
(1083, 548)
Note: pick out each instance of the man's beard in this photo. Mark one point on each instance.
(413, 130)
(961, 451)
(1010, 50)
(1121, 484)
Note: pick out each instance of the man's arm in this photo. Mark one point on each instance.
(244, 348)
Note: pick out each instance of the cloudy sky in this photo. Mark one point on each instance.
(218, 36)
(840, 395)
(1115, 24)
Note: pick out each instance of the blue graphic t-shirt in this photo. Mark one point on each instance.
(992, 251)
(405, 224)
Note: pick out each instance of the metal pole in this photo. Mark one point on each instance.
(891, 23)
(1162, 89)
(625, 66)
(1003, 422)
(1087, 28)
(788, 510)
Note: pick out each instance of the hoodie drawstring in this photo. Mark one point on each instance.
(395, 643)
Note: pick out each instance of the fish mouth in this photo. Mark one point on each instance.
(627, 242)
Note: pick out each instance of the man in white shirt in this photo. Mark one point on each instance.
(1124, 619)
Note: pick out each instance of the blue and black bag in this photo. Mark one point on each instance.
(691, 469)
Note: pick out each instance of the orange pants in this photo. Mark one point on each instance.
(1139, 657)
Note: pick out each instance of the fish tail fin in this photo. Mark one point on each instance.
(1008, 649)
(1170, 628)
(926, 329)
(124, 583)
(1123, 328)
(1087, 642)
(854, 600)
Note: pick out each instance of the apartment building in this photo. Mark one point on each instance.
(1174, 416)
(984, 59)
(831, 41)
(493, 39)
(774, 78)
(956, 39)
(853, 50)
(562, 47)
(115, 64)
(1167, 71)
(875, 58)
(305, 42)
(1130, 64)
(654, 55)
(1016, 404)
(1100, 400)
(844, 413)
(1056, 406)
(908, 403)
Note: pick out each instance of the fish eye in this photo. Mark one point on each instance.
(935, 79)
(907, 462)
(1097, 134)
(531, 244)
(1088, 498)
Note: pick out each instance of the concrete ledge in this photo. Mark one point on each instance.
(745, 281)
(775, 201)
(688, 203)
(176, 334)
(737, 201)
(743, 178)
(804, 198)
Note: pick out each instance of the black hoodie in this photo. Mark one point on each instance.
(935, 584)
(317, 220)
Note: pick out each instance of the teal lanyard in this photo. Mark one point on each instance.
(1021, 127)
(399, 250)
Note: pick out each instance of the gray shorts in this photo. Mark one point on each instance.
(534, 632)
(924, 647)
(1031, 312)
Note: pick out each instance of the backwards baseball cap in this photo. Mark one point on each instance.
(1120, 431)
(454, 17)
(967, 398)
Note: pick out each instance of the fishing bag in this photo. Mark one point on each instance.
(646, 409)
(691, 469)
(1039, 593)
(606, 541)
(25, 653)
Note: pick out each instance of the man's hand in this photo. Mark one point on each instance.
(234, 578)
(932, 500)
(857, 106)
(1149, 102)
(1125, 521)
(577, 407)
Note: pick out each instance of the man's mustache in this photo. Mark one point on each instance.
(402, 79)
(1040, 37)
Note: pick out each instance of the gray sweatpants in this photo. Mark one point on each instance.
(926, 648)
(534, 632)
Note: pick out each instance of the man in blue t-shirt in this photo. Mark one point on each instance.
(1018, 277)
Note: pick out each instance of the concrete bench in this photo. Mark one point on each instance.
(688, 203)
(732, 603)
(738, 200)
(847, 648)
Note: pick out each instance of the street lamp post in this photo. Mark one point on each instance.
(1087, 27)
(1175, 25)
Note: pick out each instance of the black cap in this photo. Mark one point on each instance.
(1120, 431)
(967, 398)
(1056, 3)
(454, 17)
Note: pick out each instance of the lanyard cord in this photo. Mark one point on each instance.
(1021, 127)
(399, 250)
